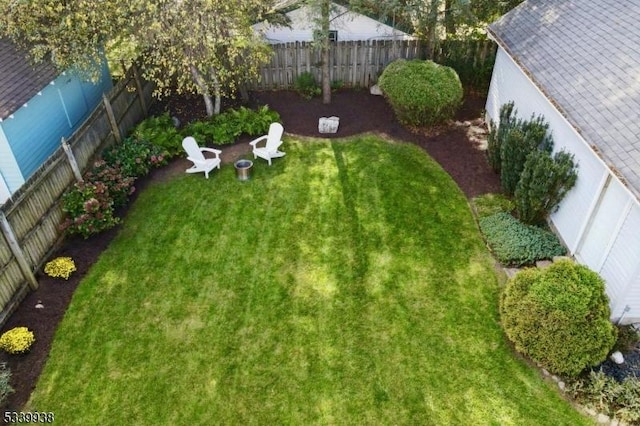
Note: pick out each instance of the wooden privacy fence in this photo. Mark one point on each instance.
(357, 63)
(30, 220)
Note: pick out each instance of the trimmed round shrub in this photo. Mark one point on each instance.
(559, 316)
(421, 93)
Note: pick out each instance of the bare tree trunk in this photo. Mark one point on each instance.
(432, 28)
(326, 75)
(216, 89)
(202, 84)
(244, 93)
(449, 18)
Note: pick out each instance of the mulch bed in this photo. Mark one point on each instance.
(358, 111)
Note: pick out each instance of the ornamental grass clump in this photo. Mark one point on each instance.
(18, 340)
(60, 267)
(5, 379)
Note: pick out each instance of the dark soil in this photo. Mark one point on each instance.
(358, 111)
(630, 368)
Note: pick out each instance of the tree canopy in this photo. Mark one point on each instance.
(432, 20)
(197, 46)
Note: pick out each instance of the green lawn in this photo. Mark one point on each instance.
(345, 284)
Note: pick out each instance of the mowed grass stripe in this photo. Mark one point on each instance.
(345, 284)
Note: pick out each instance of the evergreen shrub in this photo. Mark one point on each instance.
(558, 316)
(421, 93)
(516, 244)
(518, 141)
(544, 182)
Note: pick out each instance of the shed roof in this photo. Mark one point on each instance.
(585, 56)
(20, 80)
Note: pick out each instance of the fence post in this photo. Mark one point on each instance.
(72, 160)
(112, 119)
(17, 251)
(136, 77)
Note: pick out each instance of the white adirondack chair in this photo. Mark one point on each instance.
(196, 155)
(270, 149)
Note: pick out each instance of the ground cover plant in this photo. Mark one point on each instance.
(328, 289)
(514, 243)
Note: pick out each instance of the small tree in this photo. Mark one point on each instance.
(194, 46)
(543, 183)
(559, 316)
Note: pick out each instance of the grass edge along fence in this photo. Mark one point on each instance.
(360, 63)
(30, 220)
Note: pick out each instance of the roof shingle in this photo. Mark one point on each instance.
(585, 56)
(19, 79)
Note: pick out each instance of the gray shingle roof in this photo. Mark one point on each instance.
(585, 56)
(19, 79)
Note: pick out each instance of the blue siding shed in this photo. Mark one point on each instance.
(38, 107)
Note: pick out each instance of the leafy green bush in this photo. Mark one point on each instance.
(514, 243)
(606, 395)
(421, 93)
(558, 316)
(5, 378)
(119, 186)
(161, 132)
(489, 204)
(225, 128)
(306, 85)
(543, 183)
(134, 157)
(89, 209)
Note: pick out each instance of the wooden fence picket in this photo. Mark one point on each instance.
(354, 63)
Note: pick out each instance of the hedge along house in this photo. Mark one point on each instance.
(577, 63)
(38, 106)
(345, 25)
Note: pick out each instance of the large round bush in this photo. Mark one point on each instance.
(422, 93)
(559, 316)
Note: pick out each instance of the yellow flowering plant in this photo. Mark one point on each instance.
(18, 340)
(60, 267)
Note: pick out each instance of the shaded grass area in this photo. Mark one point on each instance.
(346, 284)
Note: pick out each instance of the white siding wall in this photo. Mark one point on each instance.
(509, 83)
(350, 26)
(621, 268)
(4, 189)
(12, 176)
(599, 219)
